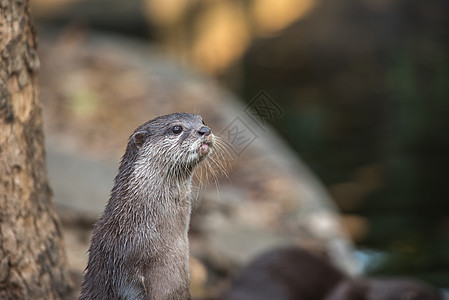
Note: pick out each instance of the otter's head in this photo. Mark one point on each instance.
(172, 145)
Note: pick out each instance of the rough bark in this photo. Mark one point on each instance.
(32, 258)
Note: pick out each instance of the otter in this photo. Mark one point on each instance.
(291, 273)
(285, 273)
(139, 248)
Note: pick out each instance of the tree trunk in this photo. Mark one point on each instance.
(32, 258)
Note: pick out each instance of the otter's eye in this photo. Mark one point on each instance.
(203, 123)
(177, 129)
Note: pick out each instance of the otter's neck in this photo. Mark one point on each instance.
(157, 200)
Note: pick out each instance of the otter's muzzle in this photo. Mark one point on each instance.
(204, 131)
(207, 140)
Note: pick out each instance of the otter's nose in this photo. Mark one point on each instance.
(204, 131)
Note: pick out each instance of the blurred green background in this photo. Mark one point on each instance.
(365, 89)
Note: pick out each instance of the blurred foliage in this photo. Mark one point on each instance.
(370, 87)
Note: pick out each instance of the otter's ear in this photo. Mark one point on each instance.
(139, 138)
